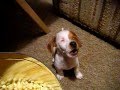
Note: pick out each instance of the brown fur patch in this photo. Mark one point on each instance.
(74, 37)
(52, 44)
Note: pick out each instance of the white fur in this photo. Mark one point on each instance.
(63, 45)
(62, 58)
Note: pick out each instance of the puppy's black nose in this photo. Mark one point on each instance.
(73, 44)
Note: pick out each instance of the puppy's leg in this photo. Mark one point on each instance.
(60, 75)
(53, 60)
(78, 74)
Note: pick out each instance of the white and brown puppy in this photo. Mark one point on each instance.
(64, 48)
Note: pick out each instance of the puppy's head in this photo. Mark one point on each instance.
(66, 42)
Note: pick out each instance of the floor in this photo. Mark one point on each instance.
(99, 60)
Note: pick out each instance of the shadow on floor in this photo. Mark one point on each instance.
(18, 29)
(44, 9)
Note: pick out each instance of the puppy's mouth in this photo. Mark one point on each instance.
(74, 52)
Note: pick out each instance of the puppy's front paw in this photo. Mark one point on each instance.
(60, 77)
(53, 60)
(79, 75)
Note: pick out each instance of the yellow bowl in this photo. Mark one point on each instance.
(20, 72)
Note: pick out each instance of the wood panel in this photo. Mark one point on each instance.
(33, 15)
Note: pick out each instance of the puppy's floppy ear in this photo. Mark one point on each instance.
(51, 46)
(76, 38)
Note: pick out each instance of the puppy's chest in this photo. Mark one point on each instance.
(65, 63)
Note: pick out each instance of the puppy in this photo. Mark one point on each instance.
(64, 48)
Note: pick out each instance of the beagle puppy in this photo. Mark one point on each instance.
(64, 48)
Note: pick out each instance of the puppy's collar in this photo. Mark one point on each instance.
(60, 51)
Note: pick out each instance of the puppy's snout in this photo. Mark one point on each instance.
(73, 44)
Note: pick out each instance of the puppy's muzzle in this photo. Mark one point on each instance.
(74, 50)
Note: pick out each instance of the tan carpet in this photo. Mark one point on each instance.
(99, 61)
